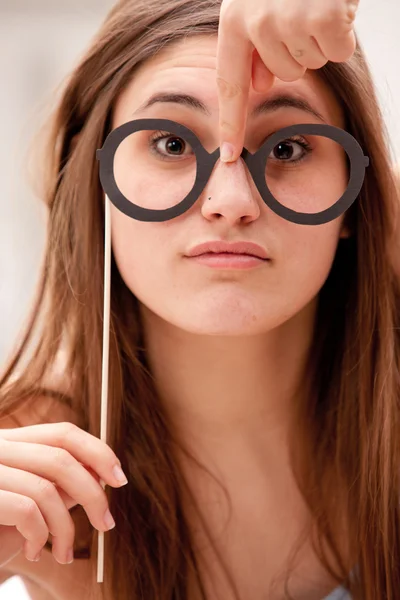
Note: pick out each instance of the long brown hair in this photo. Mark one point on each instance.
(348, 425)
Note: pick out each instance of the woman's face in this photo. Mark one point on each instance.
(152, 256)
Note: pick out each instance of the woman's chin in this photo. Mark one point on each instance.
(225, 323)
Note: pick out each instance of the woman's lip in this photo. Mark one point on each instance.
(225, 260)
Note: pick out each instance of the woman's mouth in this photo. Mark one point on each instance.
(227, 260)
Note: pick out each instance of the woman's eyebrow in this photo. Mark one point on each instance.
(269, 105)
(174, 98)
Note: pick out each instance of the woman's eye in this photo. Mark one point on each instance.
(289, 150)
(170, 146)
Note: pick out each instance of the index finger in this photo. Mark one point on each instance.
(234, 70)
(84, 447)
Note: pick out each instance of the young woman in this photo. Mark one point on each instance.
(253, 401)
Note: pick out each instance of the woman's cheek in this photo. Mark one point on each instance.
(314, 252)
(131, 248)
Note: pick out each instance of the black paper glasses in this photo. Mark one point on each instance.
(147, 185)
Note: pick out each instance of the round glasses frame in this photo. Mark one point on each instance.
(256, 164)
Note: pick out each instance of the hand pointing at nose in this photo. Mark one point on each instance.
(261, 39)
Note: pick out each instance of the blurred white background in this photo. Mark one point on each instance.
(40, 40)
(14, 589)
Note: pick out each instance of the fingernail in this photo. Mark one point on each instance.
(120, 475)
(70, 556)
(108, 520)
(227, 151)
(35, 558)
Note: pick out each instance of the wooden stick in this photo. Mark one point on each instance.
(104, 374)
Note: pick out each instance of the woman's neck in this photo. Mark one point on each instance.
(219, 389)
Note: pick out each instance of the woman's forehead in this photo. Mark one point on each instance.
(190, 67)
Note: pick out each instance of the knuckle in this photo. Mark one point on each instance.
(334, 13)
(67, 428)
(229, 89)
(261, 25)
(91, 444)
(291, 24)
(28, 508)
(231, 129)
(46, 488)
(254, 27)
(319, 20)
(61, 458)
(229, 16)
(328, 18)
(3, 443)
(96, 499)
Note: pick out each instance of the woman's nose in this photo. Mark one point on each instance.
(231, 193)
